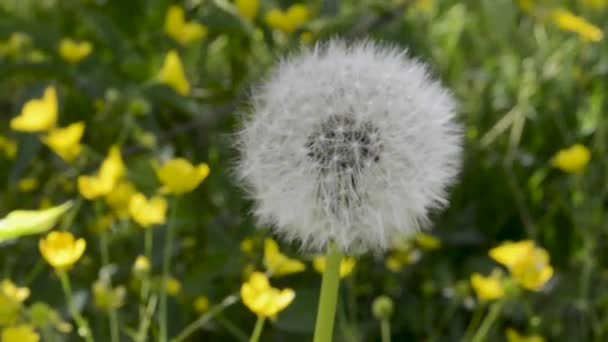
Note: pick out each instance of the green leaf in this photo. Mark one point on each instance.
(19, 223)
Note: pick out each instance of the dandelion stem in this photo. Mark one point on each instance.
(170, 235)
(257, 330)
(385, 330)
(328, 298)
(487, 322)
(83, 326)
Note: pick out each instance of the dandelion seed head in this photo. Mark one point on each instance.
(351, 143)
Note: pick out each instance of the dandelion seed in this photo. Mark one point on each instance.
(349, 143)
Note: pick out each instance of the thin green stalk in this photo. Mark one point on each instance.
(170, 235)
(202, 320)
(257, 330)
(232, 328)
(144, 293)
(83, 325)
(105, 259)
(488, 321)
(328, 298)
(385, 330)
(114, 332)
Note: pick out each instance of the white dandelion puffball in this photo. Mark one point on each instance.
(350, 143)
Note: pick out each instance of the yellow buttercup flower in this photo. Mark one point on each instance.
(107, 298)
(20, 333)
(427, 241)
(262, 299)
(72, 51)
(111, 170)
(596, 4)
(179, 29)
(247, 8)
(148, 212)
(28, 184)
(16, 42)
(13, 292)
(172, 73)
(11, 298)
(141, 265)
(573, 159)
(279, 264)
(179, 176)
(346, 265)
(201, 304)
(529, 265)
(173, 286)
(289, 20)
(38, 114)
(118, 199)
(567, 21)
(247, 245)
(61, 250)
(488, 288)
(8, 146)
(514, 336)
(66, 141)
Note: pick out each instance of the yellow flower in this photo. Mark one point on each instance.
(20, 333)
(567, 21)
(181, 31)
(277, 263)
(107, 298)
(72, 51)
(398, 259)
(172, 73)
(427, 241)
(514, 336)
(201, 304)
(148, 212)
(596, 4)
(528, 264)
(27, 184)
(247, 8)
(346, 265)
(488, 288)
(27, 222)
(246, 245)
(573, 159)
(288, 21)
(11, 291)
(15, 43)
(61, 250)
(119, 198)
(141, 265)
(11, 298)
(173, 286)
(66, 141)
(179, 176)
(262, 299)
(9, 147)
(111, 170)
(37, 114)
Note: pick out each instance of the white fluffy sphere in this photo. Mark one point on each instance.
(351, 143)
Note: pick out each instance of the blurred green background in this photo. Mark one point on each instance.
(530, 76)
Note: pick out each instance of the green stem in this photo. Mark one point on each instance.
(487, 322)
(144, 293)
(201, 321)
(170, 235)
(257, 330)
(105, 259)
(385, 330)
(114, 332)
(329, 296)
(83, 326)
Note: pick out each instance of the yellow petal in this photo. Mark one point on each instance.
(487, 288)
(511, 253)
(277, 263)
(72, 51)
(37, 114)
(567, 21)
(19, 333)
(572, 160)
(172, 73)
(148, 212)
(247, 8)
(66, 141)
(174, 21)
(61, 250)
(347, 264)
(180, 176)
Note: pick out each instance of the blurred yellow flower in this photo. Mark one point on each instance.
(289, 20)
(427, 241)
(66, 141)
(398, 259)
(72, 51)
(27, 222)
(8, 146)
(37, 114)
(15, 43)
(247, 8)
(148, 212)
(28, 184)
(262, 299)
(173, 286)
(596, 4)
(246, 245)
(141, 265)
(180, 30)
(573, 159)
(61, 250)
(488, 288)
(172, 73)
(278, 264)
(347, 264)
(11, 298)
(118, 199)
(42, 315)
(201, 304)
(20, 333)
(179, 176)
(514, 336)
(528, 264)
(107, 298)
(567, 21)
(110, 171)
(13, 292)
